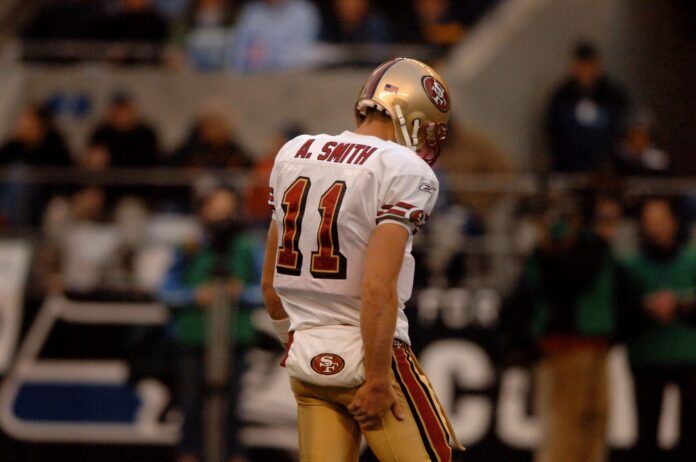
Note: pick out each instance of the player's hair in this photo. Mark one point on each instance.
(373, 113)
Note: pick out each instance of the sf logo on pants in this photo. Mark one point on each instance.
(327, 364)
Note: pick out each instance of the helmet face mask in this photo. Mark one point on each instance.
(417, 100)
(435, 134)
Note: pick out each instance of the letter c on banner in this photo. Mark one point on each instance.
(471, 369)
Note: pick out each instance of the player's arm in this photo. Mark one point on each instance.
(385, 253)
(273, 304)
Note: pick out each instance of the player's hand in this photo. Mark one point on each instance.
(372, 401)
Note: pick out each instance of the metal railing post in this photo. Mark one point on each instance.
(218, 365)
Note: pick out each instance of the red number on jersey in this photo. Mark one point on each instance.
(328, 262)
(294, 201)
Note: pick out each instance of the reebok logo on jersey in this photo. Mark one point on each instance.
(428, 188)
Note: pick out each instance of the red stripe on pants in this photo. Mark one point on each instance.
(430, 421)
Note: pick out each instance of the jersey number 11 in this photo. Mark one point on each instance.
(327, 261)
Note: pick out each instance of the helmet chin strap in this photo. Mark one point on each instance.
(404, 129)
(416, 127)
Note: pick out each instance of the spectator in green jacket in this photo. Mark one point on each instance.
(189, 289)
(660, 322)
(568, 293)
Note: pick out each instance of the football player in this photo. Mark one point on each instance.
(338, 270)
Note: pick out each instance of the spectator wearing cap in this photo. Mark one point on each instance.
(659, 320)
(211, 144)
(355, 21)
(274, 35)
(585, 115)
(129, 140)
(637, 152)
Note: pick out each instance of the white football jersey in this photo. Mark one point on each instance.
(328, 194)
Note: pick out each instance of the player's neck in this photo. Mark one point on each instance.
(378, 127)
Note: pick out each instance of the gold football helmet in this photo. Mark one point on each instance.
(415, 97)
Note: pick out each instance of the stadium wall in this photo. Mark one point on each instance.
(257, 105)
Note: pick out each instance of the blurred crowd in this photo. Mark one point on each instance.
(239, 35)
(590, 284)
(583, 290)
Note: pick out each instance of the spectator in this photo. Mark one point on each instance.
(188, 288)
(568, 291)
(211, 145)
(63, 20)
(355, 21)
(136, 21)
(585, 115)
(274, 35)
(85, 257)
(208, 34)
(35, 140)
(662, 334)
(135, 33)
(130, 141)
(638, 154)
(257, 192)
(608, 218)
(437, 25)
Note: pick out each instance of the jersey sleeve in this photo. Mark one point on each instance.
(272, 182)
(271, 200)
(275, 177)
(409, 199)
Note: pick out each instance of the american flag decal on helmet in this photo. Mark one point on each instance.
(389, 88)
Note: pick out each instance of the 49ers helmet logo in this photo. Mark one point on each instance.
(327, 364)
(436, 92)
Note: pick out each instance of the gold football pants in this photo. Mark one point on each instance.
(328, 433)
